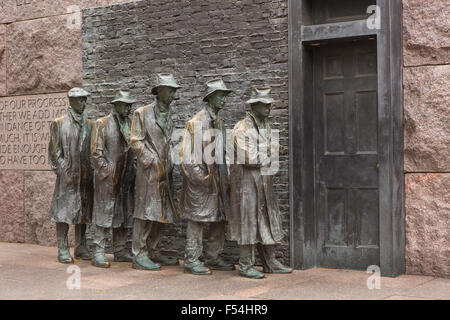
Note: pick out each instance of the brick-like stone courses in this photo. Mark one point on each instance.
(243, 42)
(426, 134)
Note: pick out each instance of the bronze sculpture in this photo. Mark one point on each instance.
(152, 129)
(69, 157)
(254, 219)
(204, 197)
(115, 171)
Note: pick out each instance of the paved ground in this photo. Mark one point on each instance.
(31, 272)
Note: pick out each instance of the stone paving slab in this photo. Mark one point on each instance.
(32, 272)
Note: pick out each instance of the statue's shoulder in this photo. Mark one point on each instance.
(142, 111)
(243, 124)
(102, 121)
(200, 116)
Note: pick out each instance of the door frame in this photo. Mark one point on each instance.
(302, 35)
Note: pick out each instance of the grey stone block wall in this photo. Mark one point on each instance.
(244, 42)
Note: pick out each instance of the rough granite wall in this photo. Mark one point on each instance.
(426, 85)
(126, 45)
(40, 54)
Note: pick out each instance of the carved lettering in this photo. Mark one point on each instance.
(25, 129)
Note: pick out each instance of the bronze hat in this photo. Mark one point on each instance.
(124, 96)
(165, 80)
(77, 93)
(261, 94)
(215, 85)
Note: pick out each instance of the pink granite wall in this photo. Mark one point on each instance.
(40, 53)
(426, 81)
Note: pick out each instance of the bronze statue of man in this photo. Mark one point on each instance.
(115, 172)
(151, 133)
(254, 219)
(204, 197)
(70, 158)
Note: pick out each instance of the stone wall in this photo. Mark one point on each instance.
(197, 40)
(426, 45)
(40, 58)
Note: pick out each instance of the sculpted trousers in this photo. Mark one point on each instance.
(247, 255)
(80, 236)
(194, 242)
(119, 238)
(62, 229)
(146, 236)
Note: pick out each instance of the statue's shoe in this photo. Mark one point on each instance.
(251, 273)
(198, 270)
(143, 262)
(82, 253)
(100, 261)
(276, 267)
(164, 260)
(123, 256)
(220, 265)
(64, 257)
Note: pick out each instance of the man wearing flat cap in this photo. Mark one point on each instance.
(204, 197)
(115, 171)
(151, 133)
(70, 159)
(254, 220)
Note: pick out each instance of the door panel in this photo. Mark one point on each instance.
(346, 154)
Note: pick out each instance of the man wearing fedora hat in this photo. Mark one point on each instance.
(115, 171)
(254, 219)
(151, 135)
(204, 197)
(70, 158)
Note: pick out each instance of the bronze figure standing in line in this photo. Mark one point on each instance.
(115, 172)
(255, 219)
(151, 135)
(69, 156)
(204, 197)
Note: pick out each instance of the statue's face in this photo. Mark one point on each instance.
(123, 108)
(78, 104)
(218, 99)
(261, 110)
(166, 94)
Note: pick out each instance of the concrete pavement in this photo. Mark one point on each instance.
(32, 272)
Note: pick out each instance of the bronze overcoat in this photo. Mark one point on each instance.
(115, 172)
(69, 155)
(205, 190)
(154, 167)
(254, 215)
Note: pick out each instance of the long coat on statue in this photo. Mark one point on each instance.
(255, 215)
(69, 155)
(115, 172)
(204, 196)
(154, 186)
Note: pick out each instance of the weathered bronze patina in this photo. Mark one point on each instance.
(151, 135)
(254, 219)
(204, 197)
(115, 172)
(70, 158)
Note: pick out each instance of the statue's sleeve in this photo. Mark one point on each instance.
(55, 153)
(192, 163)
(246, 145)
(137, 140)
(99, 160)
